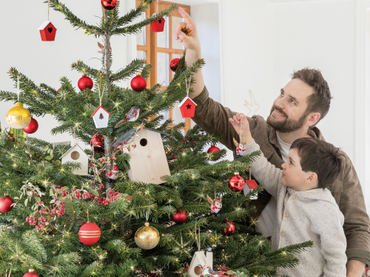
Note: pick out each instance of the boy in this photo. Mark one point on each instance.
(306, 210)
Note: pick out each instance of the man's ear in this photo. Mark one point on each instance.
(312, 178)
(312, 119)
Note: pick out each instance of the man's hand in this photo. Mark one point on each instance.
(241, 126)
(355, 268)
(186, 33)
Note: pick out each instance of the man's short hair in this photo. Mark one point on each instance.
(320, 100)
(320, 157)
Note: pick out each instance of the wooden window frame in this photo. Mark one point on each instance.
(151, 48)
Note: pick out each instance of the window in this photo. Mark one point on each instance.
(159, 49)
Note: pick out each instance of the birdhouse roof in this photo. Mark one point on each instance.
(131, 133)
(100, 107)
(76, 146)
(45, 24)
(185, 100)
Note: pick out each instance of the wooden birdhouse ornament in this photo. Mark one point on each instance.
(200, 262)
(77, 155)
(251, 185)
(148, 162)
(47, 31)
(101, 117)
(187, 107)
(158, 25)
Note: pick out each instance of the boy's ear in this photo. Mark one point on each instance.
(312, 178)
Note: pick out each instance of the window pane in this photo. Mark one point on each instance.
(141, 55)
(141, 37)
(177, 117)
(162, 37)
(163, 65)
(175, 43)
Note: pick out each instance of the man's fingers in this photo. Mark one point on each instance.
(178, 28)
(185, 15)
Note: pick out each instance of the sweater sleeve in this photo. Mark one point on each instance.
(327, 222)
(265, 172)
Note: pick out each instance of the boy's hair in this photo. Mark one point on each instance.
(320, 100)
(320, 157)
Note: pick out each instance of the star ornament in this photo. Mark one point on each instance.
(188, 106)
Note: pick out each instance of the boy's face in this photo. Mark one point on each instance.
(293, 176)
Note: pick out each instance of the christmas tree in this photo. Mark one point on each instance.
(68, 220)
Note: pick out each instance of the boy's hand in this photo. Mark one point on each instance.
(241, 126)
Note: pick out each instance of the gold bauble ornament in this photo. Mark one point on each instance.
(18, 117)
(147, 237)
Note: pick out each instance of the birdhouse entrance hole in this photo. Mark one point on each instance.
(143, 142)
(75, 155)
(197, 270)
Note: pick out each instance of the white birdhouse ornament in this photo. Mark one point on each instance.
(101, 117)
(77, 154)
(148, 162)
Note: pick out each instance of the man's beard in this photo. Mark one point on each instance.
(288, 125)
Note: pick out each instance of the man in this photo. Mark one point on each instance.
(299, 107)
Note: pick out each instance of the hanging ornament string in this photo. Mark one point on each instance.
(87, 212)
(240, 130)
(18, 87)
(187, 84)
(48, 9)
(147, 215)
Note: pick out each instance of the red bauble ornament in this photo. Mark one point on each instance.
(180, 216)
(89, 233)
(230, 230)
(157, 25)
(32, 127)
(174, 63)
(109, 4)
(236, 182)
(213, 148)
(85, 82)
(138, 83)
(5, 204)
(97, 141)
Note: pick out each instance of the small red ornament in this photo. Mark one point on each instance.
(89, 233)
(158, 25)
(252, 184)
(367, 271)
(230, 230)
(236, 182)
(85, 82)
(97, 141)
(31, 273)
(180, 216)
(47, 31)
(213, 148)
(109, 4)
(187, 107)
(5, 204)
(32, 127)
(138, 83)
(174, 63)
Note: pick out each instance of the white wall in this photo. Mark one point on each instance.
(47, 62)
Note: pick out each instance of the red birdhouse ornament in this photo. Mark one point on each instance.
(187, 107)
(157, 25)
(47, 31)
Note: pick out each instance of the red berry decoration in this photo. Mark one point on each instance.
(230, 230)
(5, 204)
(138, 83)
(85, 82)
(180, 216)
(32, 127)
(31, 273)
(236, 182)
(174, 63)
(109, 4)
(97, 142)
(213, 148)
(89, 233)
